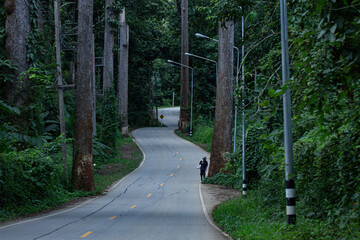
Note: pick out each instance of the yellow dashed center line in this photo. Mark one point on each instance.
(148, 195)
(112, 217)
(161, 184)
(133, 206)
(171, 175)
(180, 159)
(177, 152)
(178, 166)
(86, 234)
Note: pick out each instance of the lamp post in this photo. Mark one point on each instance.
(243, 110)
(288, 145)
(206, 59)
(192, 89)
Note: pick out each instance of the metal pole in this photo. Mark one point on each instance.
(216, 72)
(236, 103)
(289, 163)
(156, 99)
(243, 110)
(173, 99)
(191, 99)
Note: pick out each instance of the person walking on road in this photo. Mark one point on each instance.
(203, 167)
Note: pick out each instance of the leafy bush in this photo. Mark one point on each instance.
(110, 121)
(203, 130)
(29, 177)
(224, 179)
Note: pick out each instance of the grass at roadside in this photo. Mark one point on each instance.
(252, 218)
(126, 160)
(204, 143)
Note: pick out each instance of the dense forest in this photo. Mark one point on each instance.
(324, 50)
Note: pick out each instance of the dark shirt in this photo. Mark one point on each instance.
(204, 165)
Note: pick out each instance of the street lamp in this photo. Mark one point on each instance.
(192, 89)
(206, 59)
(288, 144)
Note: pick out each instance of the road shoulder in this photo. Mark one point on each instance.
(212, 195)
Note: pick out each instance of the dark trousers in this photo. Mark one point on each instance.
(202, 174)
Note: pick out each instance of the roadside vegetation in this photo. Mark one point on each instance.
(325, 91)
(36, 181)
(261, 214)
(202, 133)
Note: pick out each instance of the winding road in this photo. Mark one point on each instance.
(160, 200)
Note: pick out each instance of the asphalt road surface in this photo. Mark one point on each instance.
(160, 200)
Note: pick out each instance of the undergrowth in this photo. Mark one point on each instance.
(34, 180)
(253, 218)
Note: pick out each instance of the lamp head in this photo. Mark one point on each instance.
(200, 35)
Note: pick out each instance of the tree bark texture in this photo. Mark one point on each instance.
(93, 85)
(83, 169)
(108, 69)
(17, 30)
(184, 104)
(222, 137)
(123, 74)
(57, 4)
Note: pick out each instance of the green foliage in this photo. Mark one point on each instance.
(30, 176)
(118, 165)
(7, 70)
(256, 218)
(101, 152)
(110, 121)
(203, 131)
(225, 179)
(324, 59)
(222, 10)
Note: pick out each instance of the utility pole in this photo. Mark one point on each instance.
(156, 99)
(289, 163)
(150, 97)
(173, 98)
(243, 109)
(57, 4)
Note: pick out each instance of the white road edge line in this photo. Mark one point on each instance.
(122, 179)
(200, 193)
(35, 219)
(142, 163)
(207, 215)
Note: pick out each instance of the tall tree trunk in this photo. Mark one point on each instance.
(222, 136)
(17, 29)
(83, 169)
(108, 70)
(93, 85)
(184, 104)
(123, 74)
(57, 4)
